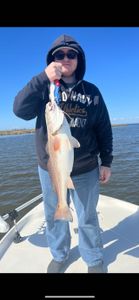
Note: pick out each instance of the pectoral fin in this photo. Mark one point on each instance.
(74, 142)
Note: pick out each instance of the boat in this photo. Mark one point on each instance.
(26, 241)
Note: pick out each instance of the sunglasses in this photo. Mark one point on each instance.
(59, 55)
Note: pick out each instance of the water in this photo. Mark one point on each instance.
(124, 182)
(19, 181)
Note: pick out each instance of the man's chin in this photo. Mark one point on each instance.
(66, 73)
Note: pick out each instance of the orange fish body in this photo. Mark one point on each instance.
(61, 157)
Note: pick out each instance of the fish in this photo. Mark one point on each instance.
(60, 148)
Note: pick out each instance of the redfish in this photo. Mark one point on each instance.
(60, 147)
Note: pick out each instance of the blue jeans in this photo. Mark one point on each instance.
(85, 199)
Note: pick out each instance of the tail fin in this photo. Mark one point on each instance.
(63, 214)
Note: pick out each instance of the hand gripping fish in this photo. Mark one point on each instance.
(61, 155)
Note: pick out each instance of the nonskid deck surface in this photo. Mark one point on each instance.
(119, 222)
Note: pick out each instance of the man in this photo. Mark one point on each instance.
(90, 125)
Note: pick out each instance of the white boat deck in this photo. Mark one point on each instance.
(119, 222)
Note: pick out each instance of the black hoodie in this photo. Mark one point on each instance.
(89, 122)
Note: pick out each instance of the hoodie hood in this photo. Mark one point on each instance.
(68, 41)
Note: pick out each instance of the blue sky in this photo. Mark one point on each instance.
(112, 59)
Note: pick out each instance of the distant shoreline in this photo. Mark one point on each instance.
(16, 131)
(26, 131)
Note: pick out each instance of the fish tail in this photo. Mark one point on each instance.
(64, 214)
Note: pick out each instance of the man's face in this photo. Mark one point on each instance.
(69, 60)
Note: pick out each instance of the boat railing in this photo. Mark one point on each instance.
(12, 215)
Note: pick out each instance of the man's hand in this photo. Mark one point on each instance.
(54, 71)
(105, 174)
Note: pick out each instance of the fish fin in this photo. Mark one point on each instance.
(63, 214)
(74, 142)
(70, 184)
